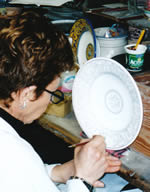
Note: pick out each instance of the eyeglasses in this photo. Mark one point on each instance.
(56, 96)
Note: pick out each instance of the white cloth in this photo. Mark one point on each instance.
(114, 183)
(21, 168)
(41, 2)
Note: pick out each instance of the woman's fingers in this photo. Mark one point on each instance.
(98, 184)
(112, 169)
(113, 163)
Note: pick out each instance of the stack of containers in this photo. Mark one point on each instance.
(148, 4)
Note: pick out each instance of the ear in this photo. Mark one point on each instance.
(27, 93)
(24, 95)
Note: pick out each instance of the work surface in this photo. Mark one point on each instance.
(135, 165)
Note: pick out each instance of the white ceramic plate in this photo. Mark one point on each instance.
(83, 41)
(85, 49)
(107, 102)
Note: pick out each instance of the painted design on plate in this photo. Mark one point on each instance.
(89, 51)
(77, 33)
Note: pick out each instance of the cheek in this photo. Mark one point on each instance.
(43, 103)
(41, 109)
(47, 102)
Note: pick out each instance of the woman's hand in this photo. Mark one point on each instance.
(90, 160)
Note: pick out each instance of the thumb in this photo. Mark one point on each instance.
(98, 184)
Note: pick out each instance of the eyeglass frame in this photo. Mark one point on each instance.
(61, 98)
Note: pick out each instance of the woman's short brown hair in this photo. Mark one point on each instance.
(32, 52)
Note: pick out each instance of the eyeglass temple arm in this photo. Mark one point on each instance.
(60, 97)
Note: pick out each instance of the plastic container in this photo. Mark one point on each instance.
(67, 79)
(135, 58)
(109, 46)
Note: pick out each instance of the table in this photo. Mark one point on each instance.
(135, 165)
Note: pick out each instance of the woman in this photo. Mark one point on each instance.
(33, 54)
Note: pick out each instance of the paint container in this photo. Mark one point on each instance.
(135, 58)
(109, 46)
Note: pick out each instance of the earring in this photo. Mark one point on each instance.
(24, 105)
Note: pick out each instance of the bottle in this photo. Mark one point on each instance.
(66, 81)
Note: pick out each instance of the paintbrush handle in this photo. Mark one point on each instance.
(139, 39)
(78, 144)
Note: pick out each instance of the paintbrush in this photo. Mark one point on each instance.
(78, 144)
(139, 39)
